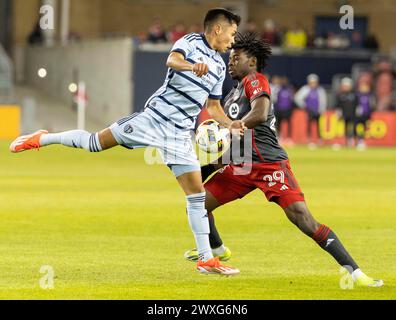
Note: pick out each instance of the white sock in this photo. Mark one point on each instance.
(357, 274)
(218, 251)
(74, 139)
(199, 223)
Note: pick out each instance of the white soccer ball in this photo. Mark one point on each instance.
(211, 137)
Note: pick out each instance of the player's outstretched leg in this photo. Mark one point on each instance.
(216, 243)
(191, 183)
(299, 214)
(92, 142)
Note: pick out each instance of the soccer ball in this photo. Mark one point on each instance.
(211, 137)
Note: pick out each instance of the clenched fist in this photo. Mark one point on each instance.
(237, 128)
(200, 69)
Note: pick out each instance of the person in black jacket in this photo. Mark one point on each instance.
(346, 105)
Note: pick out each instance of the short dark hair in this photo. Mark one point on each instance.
(220, 13)
(254, 47)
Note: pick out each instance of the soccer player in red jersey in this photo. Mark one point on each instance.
(269, 169)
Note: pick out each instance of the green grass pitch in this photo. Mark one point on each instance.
(113, 227)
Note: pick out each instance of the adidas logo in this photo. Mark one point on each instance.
(329, 241)
(284, 187)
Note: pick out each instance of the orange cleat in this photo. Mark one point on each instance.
(214, 266)
(28, 142)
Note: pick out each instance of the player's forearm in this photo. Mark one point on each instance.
(259, 112)
(217, 113)
(254, 118)
(179, 64)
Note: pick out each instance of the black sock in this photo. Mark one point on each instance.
(206, 171)
(328, 241)
(214, 237)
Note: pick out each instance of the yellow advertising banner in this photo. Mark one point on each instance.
(10, 122)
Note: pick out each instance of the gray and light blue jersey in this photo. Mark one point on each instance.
(183, 95)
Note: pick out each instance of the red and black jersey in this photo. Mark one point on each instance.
(237, 104)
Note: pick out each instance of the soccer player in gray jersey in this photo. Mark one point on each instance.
(194, 79)
(270, 169)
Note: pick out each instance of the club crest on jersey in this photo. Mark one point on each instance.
(200, 59)
(234, 111)
(255, 83)
(128, 128)
(219, 69)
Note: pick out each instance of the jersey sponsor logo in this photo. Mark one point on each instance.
(128, 128)
(284, 187)
(258, 90)
(254, 83)
(234, 111)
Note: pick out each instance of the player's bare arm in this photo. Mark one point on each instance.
(177, 62)
(259, 112)
(216, 112)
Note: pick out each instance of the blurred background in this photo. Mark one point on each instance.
(102, 59)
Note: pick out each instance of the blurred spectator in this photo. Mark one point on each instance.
(371, 42)
(178, 31)
(383, 64)
(296, 38)
(337, 41)
(275, 85)
(251, 27)
(346, 106)
(365, 78)
(312, 97)
(310, 39)
(363, 112)
(141, 37)
(270, 33)
(383, 90)
(36, 36)
(284, 107)
(156, 33)
(384, 77)
(356, 40)
(319, 42)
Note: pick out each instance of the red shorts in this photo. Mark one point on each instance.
(275, 179)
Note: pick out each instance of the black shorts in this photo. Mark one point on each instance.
(312, 115)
